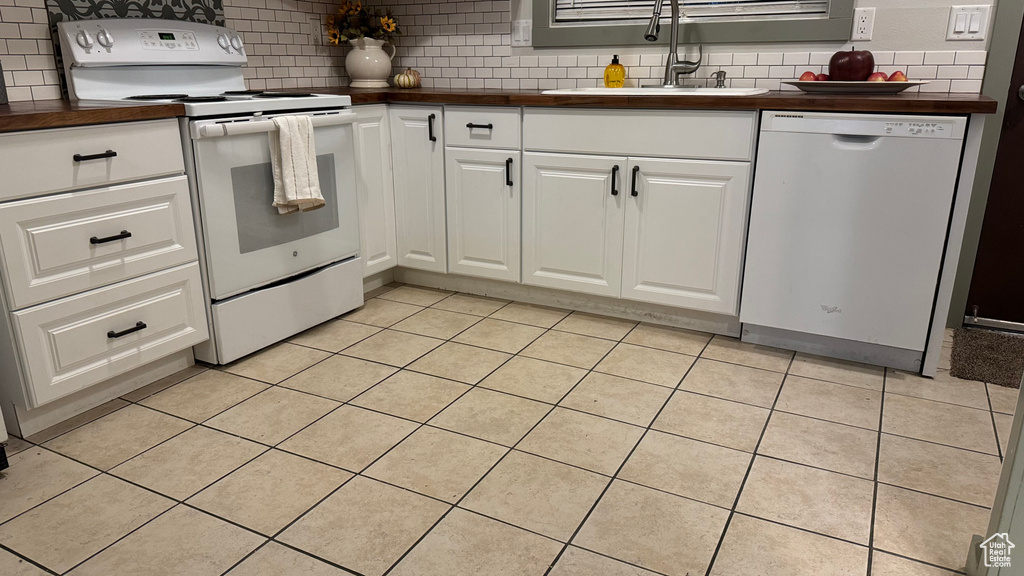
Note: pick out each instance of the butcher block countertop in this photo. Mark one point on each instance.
(18, 116)
(916, 103)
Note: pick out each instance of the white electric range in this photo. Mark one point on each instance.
(267, 276)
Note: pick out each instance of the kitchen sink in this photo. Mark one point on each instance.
(658, 91)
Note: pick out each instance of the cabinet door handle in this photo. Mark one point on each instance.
(508, 172)
(138, 326)
(124, 234)
(615, 176)
(487, 126)
(633, 191)
(100, 156)
(430, 127)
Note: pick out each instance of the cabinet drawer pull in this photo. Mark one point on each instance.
(508, 172)
(138, 326)
(100, 156)
(636, 170)
(430, 127)
(124, 234)
(487, 126)
(615, 176)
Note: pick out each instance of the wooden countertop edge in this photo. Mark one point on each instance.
(20, 116)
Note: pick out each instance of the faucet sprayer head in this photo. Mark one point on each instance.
(655, 24)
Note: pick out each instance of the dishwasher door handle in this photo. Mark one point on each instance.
(855, 142)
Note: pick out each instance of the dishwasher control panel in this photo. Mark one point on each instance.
(917, 128)
(905, 126)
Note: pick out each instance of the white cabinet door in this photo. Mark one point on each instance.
(483, 190)
(376, 187)
(684, 233)
(573, 208)
(418, 145)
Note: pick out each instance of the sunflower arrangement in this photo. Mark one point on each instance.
(353, 21)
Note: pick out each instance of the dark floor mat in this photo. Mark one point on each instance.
(988, 356)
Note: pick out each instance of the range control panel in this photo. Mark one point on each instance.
(140, 41)
(169, 40)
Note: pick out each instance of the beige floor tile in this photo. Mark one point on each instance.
(536, 379)
(821, 444)
(883, 564)
(272, 415)
(659, 531)
(13, 445)
(334, 335)
(204, 396)
(393, 347)
(926, 528)
(381, 313)
(271, 491)
(500, 335)
(817, 500)
(470, 304)
(939, 470)
(753, 547)
(938, 422)
(436, 323)
(273, 559)
(460, 362)
(678, 340)
(437, 463)
(467, 544)
(77, 421)
(838, 371)
(35, 476)
(689, 468)
(753, 355)
(349, 437)
(415, 295)
(276, 363)
(590, 442)
(834, 402)
(617, 398)
(647, 364)
(579, 562)
(182, 542)
(532, 314)
(117, 437)
(164, 383)
(537, 494)
(491, 416)
(733, 382)
(365, 526)
(340, 378)
(188, 462)
(411, 395)
(596, 325)
(1003, 424)
(81, 522)
(942, 388)
(713, 420)
(11, 565)
(566, 348)
(1004, 400)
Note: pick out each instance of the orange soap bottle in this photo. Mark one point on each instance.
(614, 74)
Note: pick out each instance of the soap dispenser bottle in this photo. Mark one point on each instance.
(614, 74)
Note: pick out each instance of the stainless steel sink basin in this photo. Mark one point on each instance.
(658, 91)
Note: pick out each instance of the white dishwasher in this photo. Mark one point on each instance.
(848, 227)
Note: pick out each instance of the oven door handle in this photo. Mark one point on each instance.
(218, 129)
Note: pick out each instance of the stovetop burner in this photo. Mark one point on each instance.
(157, 97)
(243, 92)
(202, 99)
(284, 95)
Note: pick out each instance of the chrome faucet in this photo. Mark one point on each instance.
(673, 65)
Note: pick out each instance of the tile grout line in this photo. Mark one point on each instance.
(26, 559)
(874, 483)
(995, 429)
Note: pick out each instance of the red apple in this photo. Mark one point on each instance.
(855, 65)
(878, 77)
(898, 76)
(821, 77)
(808, 76)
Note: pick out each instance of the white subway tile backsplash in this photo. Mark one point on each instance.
(939, 57)
(908, 58)
(970, 57)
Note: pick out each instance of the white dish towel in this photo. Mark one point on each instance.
(293, 156)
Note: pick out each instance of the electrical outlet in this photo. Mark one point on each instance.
(863, 23)
(316, 30)
(522, 32)
(968, 22)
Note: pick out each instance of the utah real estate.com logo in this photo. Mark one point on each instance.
(997, 550)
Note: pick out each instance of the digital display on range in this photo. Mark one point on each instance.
(166, 36)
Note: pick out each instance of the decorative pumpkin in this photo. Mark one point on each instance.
(408, 79)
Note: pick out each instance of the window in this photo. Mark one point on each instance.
(621, 22)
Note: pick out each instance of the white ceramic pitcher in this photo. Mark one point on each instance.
(367, 64)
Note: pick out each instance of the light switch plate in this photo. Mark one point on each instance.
(968, 22)
(522, 32)
(863, 24)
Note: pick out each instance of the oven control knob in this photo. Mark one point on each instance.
(106, 39)
(236, 43)
(222, 41)
(83, 39)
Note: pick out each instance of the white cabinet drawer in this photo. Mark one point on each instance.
(482, 127)
(76, 342)
(44, 161)
(56, 246)
(699, 134)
